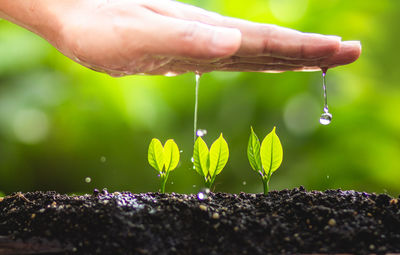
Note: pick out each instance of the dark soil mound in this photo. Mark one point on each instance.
(288, 221)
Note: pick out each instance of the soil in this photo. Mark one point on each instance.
(287, 221)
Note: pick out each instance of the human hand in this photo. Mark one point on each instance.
(123, 37)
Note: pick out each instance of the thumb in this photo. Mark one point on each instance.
(193, 39)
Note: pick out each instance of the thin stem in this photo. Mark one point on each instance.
(266, 182)
(266, 186)
(164, 178)
(209, 183)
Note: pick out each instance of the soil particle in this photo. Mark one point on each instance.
(215, 216)
(332, 222)
(287, 221)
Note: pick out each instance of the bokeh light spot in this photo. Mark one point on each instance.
(301, 114)
(30, 126)
(288, 11)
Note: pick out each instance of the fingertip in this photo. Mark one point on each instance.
(322, 46)
(354, 47)
(225, 42)
(349, 52)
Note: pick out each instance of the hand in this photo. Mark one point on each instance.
(122, 37)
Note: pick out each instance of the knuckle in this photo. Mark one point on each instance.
(266, 32)
(190, 31)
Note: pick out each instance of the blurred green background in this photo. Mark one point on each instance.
(61, 123)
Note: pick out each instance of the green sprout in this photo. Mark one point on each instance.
(209, 163)
(163, 159)
(265, 159)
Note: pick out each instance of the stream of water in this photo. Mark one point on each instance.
(326, 116)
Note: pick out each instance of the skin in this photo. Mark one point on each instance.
(124, 37)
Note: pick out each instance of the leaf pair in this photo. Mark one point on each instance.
(163, 159)
(209, 163)
(267, 158)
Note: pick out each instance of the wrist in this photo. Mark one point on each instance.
(43, 17)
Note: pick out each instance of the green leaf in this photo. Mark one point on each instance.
(171, 155)
(201, 157)
(253, 152)
(271, 152)
(219, 154)
(156, 155)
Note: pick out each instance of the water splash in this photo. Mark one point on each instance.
(201, 132)
(203, 194)
(326, 116)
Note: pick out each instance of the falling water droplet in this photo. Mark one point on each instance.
(181, 151)
(201, 132)
(103, 159)
(203, 194)
(327, 177)
(88, 180)
(192, 159)
(194, 186)
(326, 117)
(244, 183)
(172, 183)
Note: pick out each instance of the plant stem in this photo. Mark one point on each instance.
(265, 180)
(266, 186)
(209, 183)
(163, 182)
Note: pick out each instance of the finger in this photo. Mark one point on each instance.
(257, 39)
(349, 52)
(191, 39)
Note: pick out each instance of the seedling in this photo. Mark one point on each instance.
(265, 159)
(209, 163)
(163, 159)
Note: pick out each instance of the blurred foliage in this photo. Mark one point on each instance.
(60, 122)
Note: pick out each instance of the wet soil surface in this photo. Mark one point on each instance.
(287, 221)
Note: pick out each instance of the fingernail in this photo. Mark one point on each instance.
(226, 40)
(334, 37)
(353, 43)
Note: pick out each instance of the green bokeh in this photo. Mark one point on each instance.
(60, 122)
